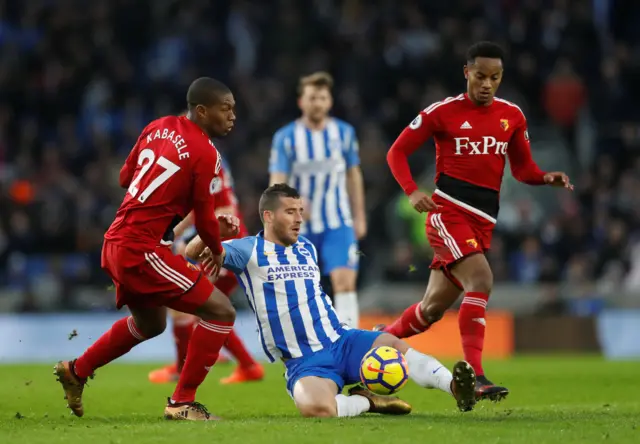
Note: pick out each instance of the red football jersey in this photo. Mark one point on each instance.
(225, 196)
(172, 169)
(472, 144)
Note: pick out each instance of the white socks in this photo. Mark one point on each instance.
(352, 405)
(346, 305)
(428, 372)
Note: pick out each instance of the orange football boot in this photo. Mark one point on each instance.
(164, 375)
(240, 374)
(169, 373)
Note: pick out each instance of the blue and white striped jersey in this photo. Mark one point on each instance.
(295, 317)
(316, 163)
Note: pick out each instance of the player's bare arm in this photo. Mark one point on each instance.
(229, 226)
(355, 188)
(183, 225)
(195, 248)
(275, 178)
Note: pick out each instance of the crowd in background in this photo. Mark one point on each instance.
(79, 80)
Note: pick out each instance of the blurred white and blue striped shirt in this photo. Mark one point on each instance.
(316, 163)
(295, 317)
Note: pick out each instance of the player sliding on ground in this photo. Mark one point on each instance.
(297, 324)
(474, 133)
(172, 169)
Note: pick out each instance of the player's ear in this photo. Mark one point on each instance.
(465, 69)
(201, 111)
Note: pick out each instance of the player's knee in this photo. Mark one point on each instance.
(320, 410)
(432, 312)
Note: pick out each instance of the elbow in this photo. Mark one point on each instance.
(390, 156)
(394, 156)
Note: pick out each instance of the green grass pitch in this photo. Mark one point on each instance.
(553, 399)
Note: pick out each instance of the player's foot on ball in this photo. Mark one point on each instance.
(387, 405)
(72, 386)
(165, 374)
(240, 374)
(379, 327)
(187, 411)
(486, 389)
(463, 385)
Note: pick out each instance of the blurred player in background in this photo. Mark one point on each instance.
(279, 271)
(172, 169)
(474, 134)
(318, 155)
(248, 368)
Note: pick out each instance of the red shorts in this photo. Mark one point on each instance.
(154, 278)
(455, 233)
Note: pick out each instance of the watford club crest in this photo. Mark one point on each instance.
(193, 266)
(472, 243)
(504, 123)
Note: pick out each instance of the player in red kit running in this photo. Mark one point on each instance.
(248, 368)
(474, 134)
(172, 169)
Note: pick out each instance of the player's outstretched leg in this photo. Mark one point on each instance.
(386, 405)
(217, 317)
(123, 336)
(428, 372)
(441, 293)
(318, 397)
(248, 368)
(475, 275)
(183, 325)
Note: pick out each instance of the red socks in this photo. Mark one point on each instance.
(472, 325)
(238, 350)
(182, 331)
(409, 324)
(471, 321)
(121, 338)
(204, 347)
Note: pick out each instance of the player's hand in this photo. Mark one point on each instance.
(360, 227)
(211, 263)
(229, 225)
(422, 202)
(558, 179)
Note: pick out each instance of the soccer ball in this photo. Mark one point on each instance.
(384, 370)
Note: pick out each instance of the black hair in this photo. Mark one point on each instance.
(270, 199)
(489, 50)
(205, 91)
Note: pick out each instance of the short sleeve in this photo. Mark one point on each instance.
(237, 253)
(352, 148)
(280, 158)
